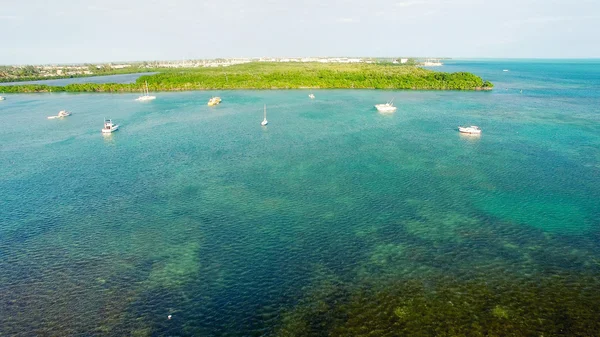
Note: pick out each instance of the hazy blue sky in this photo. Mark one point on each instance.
(63, 31)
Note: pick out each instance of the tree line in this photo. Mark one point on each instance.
(283, 76)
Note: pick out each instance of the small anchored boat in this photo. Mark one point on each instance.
(311, 96)
(109, 126)
(387, 107)
(61, 114)
(214, 101)
(473, 130)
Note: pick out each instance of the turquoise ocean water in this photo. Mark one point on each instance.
(200, 213)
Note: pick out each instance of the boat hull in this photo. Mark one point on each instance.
(113, 129)
(145, 98)
(470, 132)
(386, 109)
(59, 116)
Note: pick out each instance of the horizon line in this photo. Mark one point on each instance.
(297, 57)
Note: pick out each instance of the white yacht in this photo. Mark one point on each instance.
(2, 98)
(109, 126)
(61, 114)
(474, 130)
(146, 95)
(265, 122)
(387, 107)
(311, 96)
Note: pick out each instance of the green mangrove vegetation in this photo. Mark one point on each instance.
(38, 73)
(261, 75)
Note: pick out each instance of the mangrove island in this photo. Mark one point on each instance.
(262, 75)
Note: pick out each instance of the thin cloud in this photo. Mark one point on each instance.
(410, 3)
(11, 17)
(549, 19)
(346, 20)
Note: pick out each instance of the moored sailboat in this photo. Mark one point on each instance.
(265, 122)
(145, 95)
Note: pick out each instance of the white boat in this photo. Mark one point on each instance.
(311, 96)
(2, 98)
(109, 126)
(265, 122)
(61, 114)
(146, 95)
(505, 70)
(474, 130)
(387, 107)
(214, 101)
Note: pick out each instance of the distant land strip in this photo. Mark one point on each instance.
(261, 75)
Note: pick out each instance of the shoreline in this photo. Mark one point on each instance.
(230, 89)
(256, 76)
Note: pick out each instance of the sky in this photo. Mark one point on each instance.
(76, 31)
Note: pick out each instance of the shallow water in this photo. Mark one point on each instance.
(200, 213)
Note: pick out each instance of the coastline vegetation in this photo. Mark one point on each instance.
(282, 76)
(31, 73)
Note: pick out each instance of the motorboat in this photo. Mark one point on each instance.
(145, 95)
(474, 130)
(61, 114)
(311, 96)
(109, 126)
(2, 98)
(387, 107)
(214, 101)
(265, 122)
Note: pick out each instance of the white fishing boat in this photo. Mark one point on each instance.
(473, 130)
(387, 107)
(145, 95)
(214, 101)
(61, 114)
(109, 126)
(265, 122)
(311, 96)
